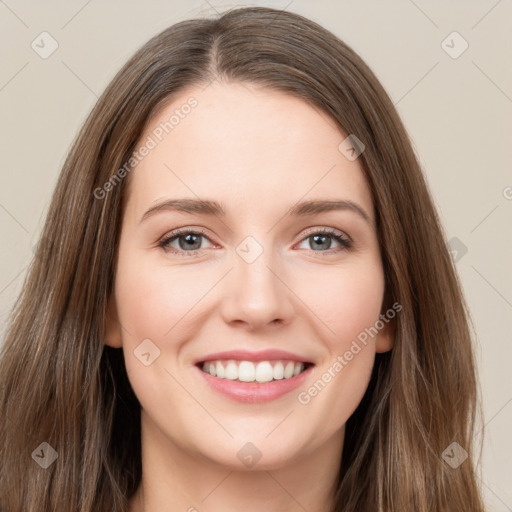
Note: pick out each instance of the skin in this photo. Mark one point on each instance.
(258, 152)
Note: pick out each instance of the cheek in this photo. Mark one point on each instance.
(346, 300)
(152, 303)
(349, 303)
(151, 298)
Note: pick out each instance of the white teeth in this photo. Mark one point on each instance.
(247, 371)
(278, 370)
(219, 369)
(264, 372)
(210, 368)
(288, 371)
(231, 372)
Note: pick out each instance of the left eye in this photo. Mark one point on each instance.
(320, 239)
(190, 241)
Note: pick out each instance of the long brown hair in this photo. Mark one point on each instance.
(61, 385)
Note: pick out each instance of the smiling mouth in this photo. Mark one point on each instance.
(248, 371)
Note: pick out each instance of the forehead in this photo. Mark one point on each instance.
(246, 146)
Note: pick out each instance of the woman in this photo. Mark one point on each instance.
(242, 297)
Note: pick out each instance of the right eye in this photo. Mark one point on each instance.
(189, 241)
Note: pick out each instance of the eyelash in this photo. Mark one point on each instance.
(346, 243)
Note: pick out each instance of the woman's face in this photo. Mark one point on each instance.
(251, 291)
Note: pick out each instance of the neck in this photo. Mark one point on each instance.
(177, 479)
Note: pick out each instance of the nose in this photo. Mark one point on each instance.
(257, 294)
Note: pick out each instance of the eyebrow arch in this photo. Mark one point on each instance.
(200, 206)
(207, 207)
(313, 207)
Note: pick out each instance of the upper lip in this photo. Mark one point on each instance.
(247, 355)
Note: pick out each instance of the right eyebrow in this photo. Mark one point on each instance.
(200, 206)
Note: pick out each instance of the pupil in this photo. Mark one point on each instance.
(325, 245)
(189, 241)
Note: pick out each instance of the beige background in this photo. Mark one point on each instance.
(458, 112)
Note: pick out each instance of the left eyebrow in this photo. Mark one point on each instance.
(314, 207)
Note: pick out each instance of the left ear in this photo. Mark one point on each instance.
(113, 328)
(386, 336)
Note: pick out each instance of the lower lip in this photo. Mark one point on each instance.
(254, 392)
